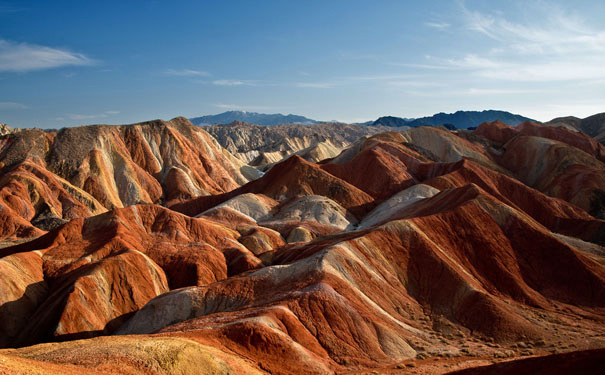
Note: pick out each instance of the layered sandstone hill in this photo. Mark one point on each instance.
(560, 162)
(593, 125)
(49, 178)
(263, 145)
(424, 251)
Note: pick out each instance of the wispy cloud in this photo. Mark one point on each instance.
(472, 61)
(352, 80)
(80, 117)
(238, 107)
(12, 105)
(473, 92)
(438, 25)
(557, 45)
(317, 85)
(24, 57)
(379, 77)
(227, 82)
(234, 82)
(411, 83)
(186, 73)
(437, 65)
(542, 71)
(552, 31)
(498, 91)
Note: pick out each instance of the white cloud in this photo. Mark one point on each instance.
(186, 73)
(552, 31)
(316, 85)
(476, 62)
(348, 80)
(438, 25)
(76, 116)
(498, 91)
(12, 105)
(232, 82)
(227, 82)
(23, 57)
(535, 70)
(79, 117)
(482, 23)
(557, 45)
(410, 83)
(474, 92)
(421, 66)
(237, 107)
(382, 77)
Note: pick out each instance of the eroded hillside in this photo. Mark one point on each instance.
(151, 249)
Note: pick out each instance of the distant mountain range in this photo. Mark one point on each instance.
(252, 118)
(460, 119)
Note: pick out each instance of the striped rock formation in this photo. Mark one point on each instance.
(49, 178)
(151, 250)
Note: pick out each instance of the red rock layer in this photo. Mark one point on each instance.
(488, 262)
(555, 214)
(38, 195)
(374, 171)
(356, 298)
(49, 178)
(101, 269)
(557, 169)
(502, 133)
(561, 134)
(22, 290)
(496, 131)
(13, 226)
(290, 179)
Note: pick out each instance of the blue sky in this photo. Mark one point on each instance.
(65, 63)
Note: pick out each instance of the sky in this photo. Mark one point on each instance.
(67, 63)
